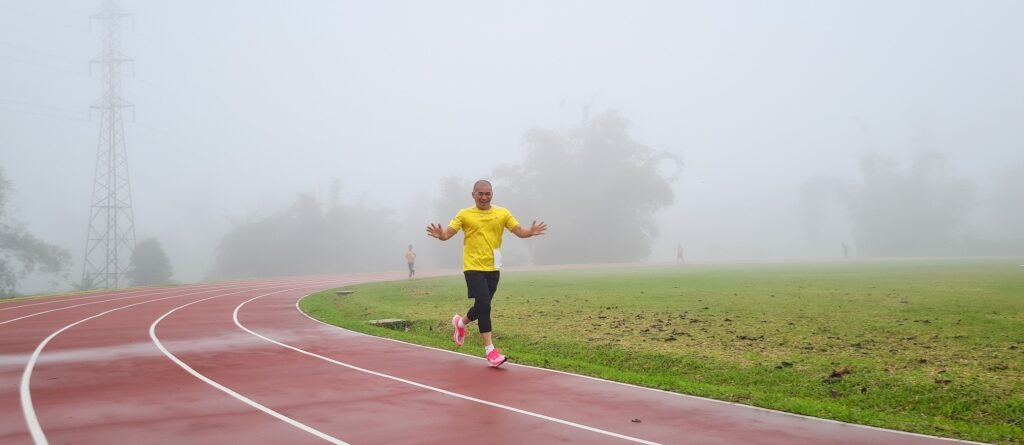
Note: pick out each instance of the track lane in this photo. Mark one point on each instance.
(21, 335)
(22, 339)
(56, 299)
(263, 408)
(78, 297)
(27, 312)
(437, 389)
(348, 404)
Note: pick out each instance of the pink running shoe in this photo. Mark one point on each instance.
(459, 336)
(495, 358)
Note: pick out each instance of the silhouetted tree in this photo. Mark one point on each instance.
(1006, 235)
(21, 253)
(1009, 201)
(596, 187)
(917, 212)
(308, 238)
(455, 194)
(149, 264)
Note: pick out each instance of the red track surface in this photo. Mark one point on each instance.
(238, 363)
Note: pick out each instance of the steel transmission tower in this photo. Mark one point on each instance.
(111, 237)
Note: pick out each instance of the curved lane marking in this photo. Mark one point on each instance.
(26, 393)
(439, 390)
(229, 391)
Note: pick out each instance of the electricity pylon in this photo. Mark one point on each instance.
(110, 240)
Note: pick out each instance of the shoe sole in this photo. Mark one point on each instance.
(499, 364)
(455, 334)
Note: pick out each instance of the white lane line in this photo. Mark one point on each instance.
(662, 391)
(26, 393)
(161, 292)
(439, 390)
(229, 391)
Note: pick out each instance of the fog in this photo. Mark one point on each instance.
(794, 122)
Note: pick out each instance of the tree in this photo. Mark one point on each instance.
(917, 212)
(587, 183)
(310, 237)
(1003, 234)
(454, 195)
(1009, 202)
(21, 253)
(149, 264)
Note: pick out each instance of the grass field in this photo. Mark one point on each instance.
(934, 347)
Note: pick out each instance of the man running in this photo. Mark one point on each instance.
(482, 225)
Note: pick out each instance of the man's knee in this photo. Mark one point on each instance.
(482, 305)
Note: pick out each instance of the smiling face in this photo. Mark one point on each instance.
(482, 195)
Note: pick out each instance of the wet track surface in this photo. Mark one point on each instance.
(239, 363)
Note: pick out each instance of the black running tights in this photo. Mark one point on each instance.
(482, 286)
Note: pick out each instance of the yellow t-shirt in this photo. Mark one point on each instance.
(482, 230)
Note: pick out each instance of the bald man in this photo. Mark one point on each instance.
(483, 226)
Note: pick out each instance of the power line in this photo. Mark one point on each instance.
(26, 105)
(40, 65)
(44, 18)
(42, 114)
(20, 107)
(34, 50)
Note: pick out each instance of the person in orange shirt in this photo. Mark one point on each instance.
(483, 226)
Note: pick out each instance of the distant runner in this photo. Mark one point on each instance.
(410, 258)
(482, 225)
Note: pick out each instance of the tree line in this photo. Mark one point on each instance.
(922, 209)
(596, 186)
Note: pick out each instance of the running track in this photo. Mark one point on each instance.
(238, 363)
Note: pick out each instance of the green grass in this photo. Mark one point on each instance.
(934, 347)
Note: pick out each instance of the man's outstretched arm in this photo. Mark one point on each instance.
(534, 230)
(441, 232)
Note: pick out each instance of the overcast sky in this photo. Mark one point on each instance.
(239, 105)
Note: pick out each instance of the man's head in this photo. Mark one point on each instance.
(482, 194)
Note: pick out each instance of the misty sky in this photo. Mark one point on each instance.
(239, 105)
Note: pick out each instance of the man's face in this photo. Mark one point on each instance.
(482, 196)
